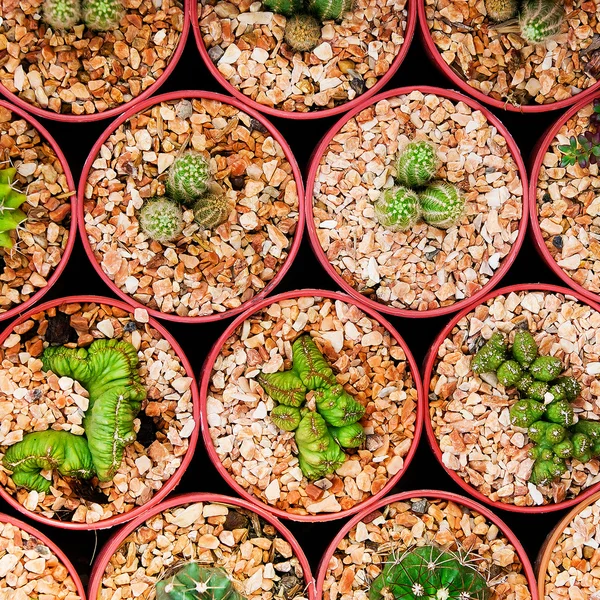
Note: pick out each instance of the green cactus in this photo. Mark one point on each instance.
(349, 436)
(564, 449)
(570, 386)
(287, 8)
(44, 450)
(211, 210)
(302, 33)
(501, 10)
(397, 208)
(557, 391)
(561, 412)
(102, 15)
(538, 390)
(327, 10)
(430, 573)
(188, 177)
(286, 417)
(509, 373)
(547, 434)
(491, 355)
(523, 384)
(546, 471)
(417, 164)
(524, 348)
(337, 407)
(526, 412)
(10, 214)
(61, 14)
(442, 205)
(541, 19)
(310, 365)
(285, 387)
(546, 368)
(193, 581)
(582, 447)
(161, 219)
(589, 428)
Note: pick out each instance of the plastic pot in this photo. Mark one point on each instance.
(538, 154)
(204, 391)
(9, 314)
(434, 54)
(411, 24)
(434, 495)
(119, 536)
(293, 250)
(117, 110)
(168, 485)
(428, 363)
(53, 548)
(507, 261)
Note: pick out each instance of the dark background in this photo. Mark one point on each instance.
(79, 277)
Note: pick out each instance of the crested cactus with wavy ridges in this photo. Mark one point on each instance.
(397, 209)
(442, 205)
(417, 164)
(287, 8)
(330, 9)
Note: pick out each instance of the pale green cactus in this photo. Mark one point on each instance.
(302, 33)
(442, 205)
(417, 164)
(287, 8)
(161, 219)
(211, 210)
(330, 9)
(397, 209)
(188, 177)
(61, 14)
(11, 216)
(102, 15)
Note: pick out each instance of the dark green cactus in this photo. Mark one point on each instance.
(48, 450)
(561, 412)
(286, 417)
(310, 365)
(523, 384)
(287, 8)
(491, 355)
(571, 387)
(526, 412)
(10, 214)
(284, 387)
(509, 373)
(547, 434)
(582, 447)
(338, 407)
(589, 428)
(546, 471)
(546, 368)
(330, 9)
(538, 390)
(524, 348)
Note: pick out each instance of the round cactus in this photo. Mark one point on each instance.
(61, 14)
(102, 15)
(302, 32)
(161, 219)
(442, 205)
(330, 9)
(188, 177)
(397, 208)
(541, 19)
(501, 10)
(211, 210)
(416, 164)
(287, 8)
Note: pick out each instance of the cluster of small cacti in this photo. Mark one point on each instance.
(321, 435)
(545, 405)
(98, 15)
(537, 20)
(193, 581)
(11, 216)
(438, 203)
(430, 573)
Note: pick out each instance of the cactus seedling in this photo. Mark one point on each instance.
(211, 210)
(330, 9)
(491, 355)
(287, 8)
(188, 177)
(161, 219)
(397, 208)
(501, 10)
(10, 201)
(417, 164)
(539, 21)
(442, 205)
(302, 32)
(102, 15)
(61, 14)
(197, 582)
(546, 368)
(524, 348)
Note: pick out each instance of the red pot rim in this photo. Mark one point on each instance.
(538, 238)
(435, 55)
(172, 482)
(411, 24)
(4, 518)
(433, 442)
(117, 110)
(507, 261)
(204, 384)
(117, 538)
(37, 296)
(277, 136)
(431, 494)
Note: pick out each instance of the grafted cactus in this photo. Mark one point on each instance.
(442, 205)
(397, 208)
(197, 582)
(188, 177)
(330, 9)
(417, 164)
(287, 8)
(10, 201)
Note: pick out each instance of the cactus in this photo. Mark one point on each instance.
(546, 368)
(526, 412)
(286, 417)
(211, 210)
(524, 348)
(582, 447)
(349, 436)
(302, 33)
(538, 390)
(287, 8)
(539, 21)
(284, 387)
(490, 356)
(509, 373)
(310, 365)
(442, 205)
(61, 14)
(161, 219)
(102, 15)
(570, 386)
(188, 177)
(397, 208)
(417, 164)
(561, 412)
(10, 201)
(193, 581)
(430, 573)
(501, 10)
(338, 407)
(327, 10)
(546, 471)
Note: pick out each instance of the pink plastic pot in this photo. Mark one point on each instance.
(538, 158)
(428, 363)
(276, 136)
(205, 382)
(169, 485)
(312, 231)
(440, 63)
(9, 314)
(53, 548)
(318, 114)
(117, 110)
(118, 537)
(434, 495)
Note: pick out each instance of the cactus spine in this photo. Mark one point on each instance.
(211, 210)
(417, 164)
(302, 32)
(287, 8)
(188, 177)
(61, 14)
(397, 208)
(330, 9)
(102, 15)
(501, 10)
(442, 205)
(541, 19)
(161, 219)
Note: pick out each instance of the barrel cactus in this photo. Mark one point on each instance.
(501, 10)
(397, 208)
(11, 216)
(287, 8)
(161, 219)
(102, 15)
(193, 581)
(211, 210)
(188, 177)
(442, 205)
(302, 32)
(417, 164)
(61, 14)
(541, 19)
(330, 9)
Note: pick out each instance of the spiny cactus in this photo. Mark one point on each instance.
(539, 20)
(501, 10)
(102, 15)
(491, 355)
(442, 205)
(417, 164)
(161, 219)
(61, 14)
(197, 582)
(430, 573)
(302, 32)
(397, 208)
(330, 9)
(211, 210)
(10, 200)
(287, 8)
(188, 177)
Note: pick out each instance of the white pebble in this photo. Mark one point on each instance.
(106, 328)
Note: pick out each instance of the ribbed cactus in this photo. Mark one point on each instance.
(197, 582)
(10, 200)
(302, 32)
(397, 208)
(61, 14)
(541, 19)
(102, 15)
(188, 177)
(430, 573)
(417, 164)
(287, 8)
(211, 210)
(501, 10)
(442, 205)
(330, 9)
(161, 219)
